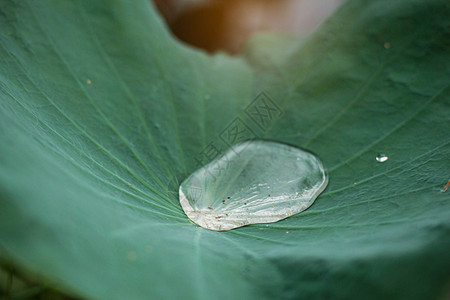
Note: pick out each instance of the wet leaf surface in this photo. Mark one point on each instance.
(102, 110)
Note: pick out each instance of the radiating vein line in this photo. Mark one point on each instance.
(292, 89)
(316, 212)
(87, 171)
(71, 121)
(174, 118)
(386, 172)
(350, 104)
(364, 89)
(107, 121)
(202, 118)
(396, 128)
(102, 167)
(250, 252)
(249, 235)
(128, 92)
(172, 102)
(358, 96)
(199, 269)
(126, 230)
(408, 220)
(122, 190)
(90, 187)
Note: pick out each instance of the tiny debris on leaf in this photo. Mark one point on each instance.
(446, 187)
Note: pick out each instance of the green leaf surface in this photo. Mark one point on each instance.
(102, 112)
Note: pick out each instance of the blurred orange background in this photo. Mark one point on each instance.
(225, 25)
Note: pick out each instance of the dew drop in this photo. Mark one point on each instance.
(262, 182)
(381, 158)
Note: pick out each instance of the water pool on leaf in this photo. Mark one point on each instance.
(253, 182)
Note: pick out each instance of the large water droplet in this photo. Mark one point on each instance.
(381, 157)
(253, 182)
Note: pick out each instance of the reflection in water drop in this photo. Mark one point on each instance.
(381, 158)
(253, 182)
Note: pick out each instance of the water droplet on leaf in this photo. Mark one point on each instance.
(263, 182)
(381, 158)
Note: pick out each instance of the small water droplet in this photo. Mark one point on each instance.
(381, 158)
(262, 181)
